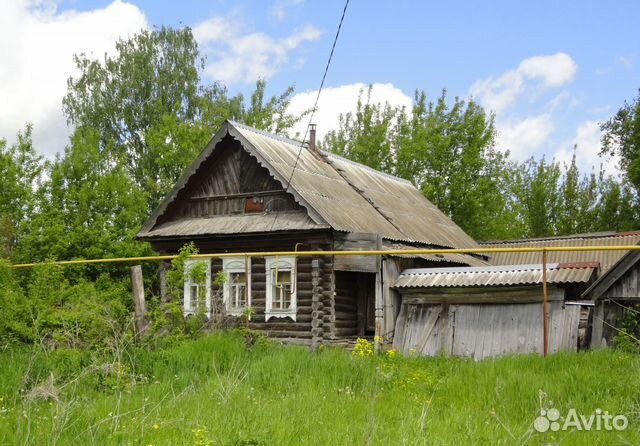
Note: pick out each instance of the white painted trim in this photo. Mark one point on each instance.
(235, 265)
(282, 264)
(188, 308)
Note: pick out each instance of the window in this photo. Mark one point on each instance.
(281, 287)
(237, 287)
(197, 294)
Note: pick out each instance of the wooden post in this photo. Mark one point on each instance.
(138, 299)
(163, 268)
(545, 315)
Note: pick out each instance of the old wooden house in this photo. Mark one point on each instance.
(249, 191)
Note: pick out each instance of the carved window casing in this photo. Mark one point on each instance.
(281, 288)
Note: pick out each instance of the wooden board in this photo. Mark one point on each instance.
(357, 242)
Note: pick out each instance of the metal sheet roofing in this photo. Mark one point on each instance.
(485, 276)
(337, 193)
(606, 258)
(235, 224)
(462, 259)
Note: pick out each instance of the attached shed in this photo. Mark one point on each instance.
(616, 296)
(481, 312)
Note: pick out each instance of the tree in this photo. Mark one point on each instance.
(21, 171)
(447, 152)
(151, 112)
(366, 136)
(621, 136)
(88, 210)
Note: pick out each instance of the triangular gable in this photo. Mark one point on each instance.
(225, 130)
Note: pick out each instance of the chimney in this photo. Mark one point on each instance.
(312, 138)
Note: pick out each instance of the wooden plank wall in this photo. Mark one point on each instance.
(223, 183)
(484, 330)
(357, 242)
(627, 287)
(611, 308)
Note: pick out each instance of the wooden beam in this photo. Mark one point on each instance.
(138, 299)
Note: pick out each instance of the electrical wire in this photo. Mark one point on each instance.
(315, 105)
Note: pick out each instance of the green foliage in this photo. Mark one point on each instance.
(153, 113)
(21, 170)
(621, 136)
(628, 338)
(89, 210)
(168, 322)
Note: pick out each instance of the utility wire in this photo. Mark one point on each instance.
(315, 105)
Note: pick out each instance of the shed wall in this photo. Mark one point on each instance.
(485, 329)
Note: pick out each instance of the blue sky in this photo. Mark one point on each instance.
(551, 70)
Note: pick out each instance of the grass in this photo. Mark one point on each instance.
(219, 391)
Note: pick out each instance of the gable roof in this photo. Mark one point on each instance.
(335, 192)
(611, 277)
(606, 258)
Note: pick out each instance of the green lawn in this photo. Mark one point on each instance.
(219, 391)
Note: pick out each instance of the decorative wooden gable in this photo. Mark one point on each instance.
(229, 182)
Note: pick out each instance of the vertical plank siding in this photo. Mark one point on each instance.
(484, 330)
(614, 306)
(217, 184)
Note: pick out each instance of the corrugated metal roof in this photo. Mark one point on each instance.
(337, 193)
(493, 276)
(463, 259)
(606, 258)
(235, 224)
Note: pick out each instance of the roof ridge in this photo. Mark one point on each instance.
(275, 136)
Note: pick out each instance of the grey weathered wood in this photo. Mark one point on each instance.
(356, 242)
(140, 307)
(505, 295)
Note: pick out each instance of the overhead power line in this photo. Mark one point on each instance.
(315, 105)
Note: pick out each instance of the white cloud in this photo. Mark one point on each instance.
(525, 137)
(234, 57)
(38, 60)
(553, 71)
(280, 8)
(501, 92)
(343, 99)
(587, 142)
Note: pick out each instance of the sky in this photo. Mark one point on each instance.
(551, 71)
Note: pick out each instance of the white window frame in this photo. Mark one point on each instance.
(190, 307)
(281, 264)
(235, 265)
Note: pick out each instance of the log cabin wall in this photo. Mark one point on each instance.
(314, 282)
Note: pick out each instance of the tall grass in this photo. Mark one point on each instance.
(220, 391)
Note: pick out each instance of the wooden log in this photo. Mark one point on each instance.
(140, 307)
(342, 332)
(345, 316)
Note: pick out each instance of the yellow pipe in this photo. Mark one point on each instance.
(341, 253)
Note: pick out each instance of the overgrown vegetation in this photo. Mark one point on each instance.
(447, 149)
(223, 390)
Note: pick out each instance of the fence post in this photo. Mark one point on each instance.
(545, 314)
(140, 308)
